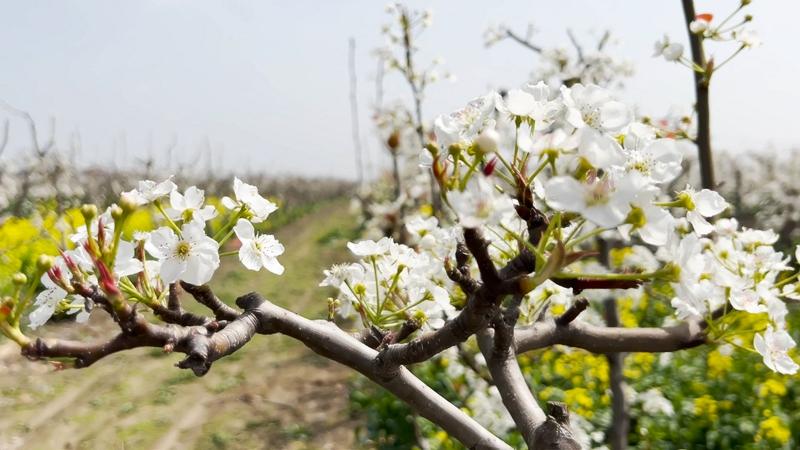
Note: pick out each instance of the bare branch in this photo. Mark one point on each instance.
(611, 339)
(579, 285)
(356, 133)
(4, 142)
(524, 42)
(701, 82)
(478, 246)
(575, 44)
(39, 149)
(604, 40)
(573, 312)
(468, 359)
(201, 345)
(206, 297)
(174, 313)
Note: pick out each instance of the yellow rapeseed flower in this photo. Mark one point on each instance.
(773, 429)
(772, 387)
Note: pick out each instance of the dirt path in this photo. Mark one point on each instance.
(273, 394)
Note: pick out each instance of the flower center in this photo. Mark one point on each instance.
(183, 249)
(640, 164)
(591, 116)
(597, 194)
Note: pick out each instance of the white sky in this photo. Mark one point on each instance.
(265, 83)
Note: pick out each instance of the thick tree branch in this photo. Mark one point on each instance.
(555, 433)
(331, 342)
(620, 418)
(610, 339)
(201, 344)
(478, 246)
(202, 347)
(515, 392)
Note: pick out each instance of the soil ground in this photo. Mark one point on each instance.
(272, 394)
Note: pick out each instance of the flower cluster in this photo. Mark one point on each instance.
(578, 155)
(103, 255)
(730, 29)
(590, 64)
(391, 284)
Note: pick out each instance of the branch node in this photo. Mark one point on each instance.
(249, 301)
(555, 433)
(573, 312)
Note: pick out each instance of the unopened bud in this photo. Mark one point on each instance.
(19, 279)
(748, 18)
(488, 140)
(45, 263)
(685, 201)
(439, 169)
(127, 203)
(116, 212)
(746, 2)
(394, 140)
(88, 212)
(489, 169)
(6, 307)
(636, 217)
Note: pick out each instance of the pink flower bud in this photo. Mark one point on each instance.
(489, 169)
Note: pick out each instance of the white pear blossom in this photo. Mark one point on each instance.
(702, 204)
(258, 251)
(533, 101)
(747, 300)
(594, 107)
(190, 205)
(598, 149)
(773, 347)
(247, 196)
(671, 51)
(653, 402)
(465, 124)
(370, 248)
(192, 257)
(791, 291)
(479, 203)
(46, 301)
(339, 273)
(420, 226)
(748, 38)
(149, 191)
(659, 161)
(125, 262)
(81, 234)
(602, 200)
(653, 224)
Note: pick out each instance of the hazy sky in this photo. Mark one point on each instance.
(264, 83)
